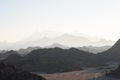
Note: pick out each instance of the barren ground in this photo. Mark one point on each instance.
(88, 74)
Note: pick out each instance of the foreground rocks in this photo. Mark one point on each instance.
(115, 73)
(10, 72)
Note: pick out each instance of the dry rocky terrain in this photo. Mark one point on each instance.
(89, 74)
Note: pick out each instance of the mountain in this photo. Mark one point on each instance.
(10, 72)
(57, 45)
(94, 49)
(52, 60)
(64, 39)
(13, 58)
(3, 51)
(112, 54)
(27, 50)
(8, 53)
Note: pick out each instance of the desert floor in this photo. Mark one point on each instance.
(88, 74)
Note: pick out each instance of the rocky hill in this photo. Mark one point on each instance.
(10, 72)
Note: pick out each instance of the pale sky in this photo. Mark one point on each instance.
(21, 18)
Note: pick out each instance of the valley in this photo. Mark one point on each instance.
(88, 74)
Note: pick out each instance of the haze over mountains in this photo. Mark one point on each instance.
(59, 40)
(94, 49)
(64, 39)
(60, 60)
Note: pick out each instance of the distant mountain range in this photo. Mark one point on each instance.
(7, 53)
(52, 60)
(91, 49)
(94, 49)
(65, 39)
(27, 50)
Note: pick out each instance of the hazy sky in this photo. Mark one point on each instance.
(21, 18)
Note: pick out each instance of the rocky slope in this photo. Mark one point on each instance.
(10, 72)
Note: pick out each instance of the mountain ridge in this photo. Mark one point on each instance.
(65, 39)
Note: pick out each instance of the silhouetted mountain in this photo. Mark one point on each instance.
(6, 54)
(3, 51)
(57, 45)
(94, 49)
(27, 50)
(53, 60)
(13, 58)
(113, 54)
(10, 72)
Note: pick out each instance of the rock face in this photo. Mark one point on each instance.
(10, 72)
